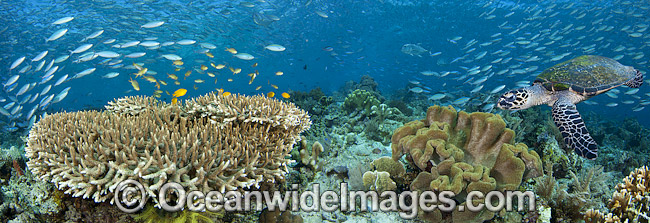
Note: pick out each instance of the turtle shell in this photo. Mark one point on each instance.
(586, 75)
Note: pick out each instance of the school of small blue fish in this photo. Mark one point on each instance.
(55, 59)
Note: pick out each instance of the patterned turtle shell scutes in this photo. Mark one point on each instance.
(586, 75)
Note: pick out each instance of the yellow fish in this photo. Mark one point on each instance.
(141, 72)
(231, 50)
(254, 65)
(229, 79)
(180, 92)
(162, 82)
(226, 94)
(285, 95)
(174, 101)
(137, 66)
(210, 74)
(236, 71)
(220, 66)
(187, 74)
(198, 81)
(157, 85)
(252, 75)
(270, 94)
(177, 69)
(178, 62)
(150, 79)
(158, 91)
(177, 83)
(203, 67)
(135, 84)
(167, 92)
(279, 73)
(258, 87)
(274, 86)
(209, 54)
(220, 90)
(172, 76)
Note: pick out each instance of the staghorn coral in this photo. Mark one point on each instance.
(630, 202)
(463, 152)
(212, 142)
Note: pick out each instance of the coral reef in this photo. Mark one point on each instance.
(306, 158)
(630, 202)
(378, 181)
(464, 152)
(279, 217)
(625, 143)
(12, 157)
(212, 142)
(29, 199)
(151, 214)
(367, 83)
(568, 200)
(360, 101)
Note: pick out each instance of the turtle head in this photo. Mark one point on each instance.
(516, 99)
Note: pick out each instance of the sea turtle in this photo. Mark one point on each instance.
(568, 83)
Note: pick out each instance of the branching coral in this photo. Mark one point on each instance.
(209, 143)
(630, 202)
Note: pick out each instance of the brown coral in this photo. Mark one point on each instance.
(463, 152)
(466, 150)
(631, 200)
(209, 143)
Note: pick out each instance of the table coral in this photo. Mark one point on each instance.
(212, 142)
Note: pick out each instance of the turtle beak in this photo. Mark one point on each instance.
(506, 100)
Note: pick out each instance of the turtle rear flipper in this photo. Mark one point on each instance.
(573, 129)
(637, 81)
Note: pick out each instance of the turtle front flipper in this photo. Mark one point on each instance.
(637, 81)
(573, 129)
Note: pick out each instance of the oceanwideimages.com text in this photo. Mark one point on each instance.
(172, 197)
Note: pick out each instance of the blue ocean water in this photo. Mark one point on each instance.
(442, 52)
(327, 43)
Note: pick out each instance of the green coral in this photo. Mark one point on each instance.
(360, 101)
(464, 152)
(386, 164)
(29, 198)
(152, 214)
